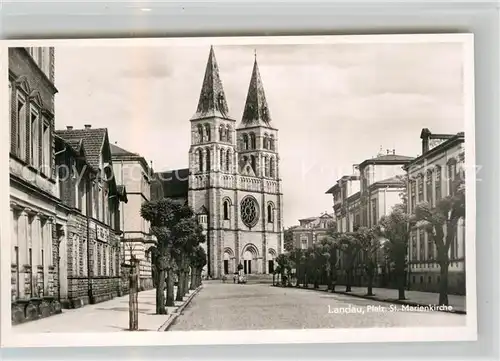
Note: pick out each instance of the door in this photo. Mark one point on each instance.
(271, 266)
(226, 266)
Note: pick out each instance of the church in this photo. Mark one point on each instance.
(233, 180)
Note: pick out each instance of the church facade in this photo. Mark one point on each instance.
(234, 182)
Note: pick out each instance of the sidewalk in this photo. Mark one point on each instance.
(109, 316)
(413, 298)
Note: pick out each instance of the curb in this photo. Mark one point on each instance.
(388, 300)
(177, 313)
(401, 302)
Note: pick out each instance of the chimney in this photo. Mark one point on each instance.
(69, 127)
(88, 126)
(425, 135)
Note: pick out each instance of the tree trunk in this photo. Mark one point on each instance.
(160, 293)
(370, 275)
(401, 281)
(180, 285)
(443, 283)
(370, 286)
(192, 285)
(348, 281)
(199, 281)
(170, 289)
(185, 288)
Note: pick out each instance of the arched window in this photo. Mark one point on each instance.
(413, 192)
(207, 131)
(245, 142)
(271, 167)
(270, 211)
(200, 160)
(200, 133)
(221, 133)
(208, 166)
(271, 142)
(428, 187)
(253, 162)
(437, 184)
(265, 141)
(228, 161)
(228, 133)
(452, 171)
(226, 209)
(253, 141)
(420, 187)
(266, 166)
(222, 159)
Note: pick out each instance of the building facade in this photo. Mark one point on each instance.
(38, 220)
(87, 187)
(362, 199)
(430, 179)
(132, 171)
(346, 208)
(233, 181)
(312, 230)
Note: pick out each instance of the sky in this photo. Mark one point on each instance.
(335, 105)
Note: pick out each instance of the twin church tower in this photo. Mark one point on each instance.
(234, 178)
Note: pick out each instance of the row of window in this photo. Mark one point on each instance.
(429, 252)
(205, 135)
(94, 195)
(32, 236)
(105, 262)
(428, 187)
(268, 166)
(204, 160)
(226, 211)
(32, 141)
(249, 141)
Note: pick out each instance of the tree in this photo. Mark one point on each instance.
(296, 255)
(288, 240)
(284, 268)
(350, 250)
(164, 216)
(395, 228)
(198, 260)
(187, 235)
(368, 243)
(441, 224)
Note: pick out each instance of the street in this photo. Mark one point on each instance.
(228, 306)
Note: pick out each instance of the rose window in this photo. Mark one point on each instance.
(249, 211)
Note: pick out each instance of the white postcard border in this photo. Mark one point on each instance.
(361, 335)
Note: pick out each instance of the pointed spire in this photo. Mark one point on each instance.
(212, 98)
(256, 110)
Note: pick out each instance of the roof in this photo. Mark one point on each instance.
(118, 151)
(455, 139)
(387, 159)
(92, 140)
(256, 111)
(174, 183)
(336, 186)
(392, 181)
(212, 100)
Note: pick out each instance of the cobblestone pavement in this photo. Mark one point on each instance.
(222, 306)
